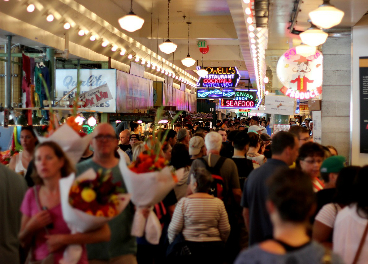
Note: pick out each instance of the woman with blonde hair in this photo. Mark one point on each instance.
(43, 227)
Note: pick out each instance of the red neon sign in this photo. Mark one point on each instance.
(236, 103)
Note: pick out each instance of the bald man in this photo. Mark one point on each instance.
(122, 246)
(124, 137)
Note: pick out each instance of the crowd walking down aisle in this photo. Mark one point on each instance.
(218, 196)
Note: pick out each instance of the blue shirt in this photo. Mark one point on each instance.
(254, 198)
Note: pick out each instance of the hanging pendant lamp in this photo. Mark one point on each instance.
(326, 15)
(313, 36)
(131, 22)
(202, 72)
(188, 61)
(305, 50)
(168, 46)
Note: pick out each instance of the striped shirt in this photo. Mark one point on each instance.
(200, 220)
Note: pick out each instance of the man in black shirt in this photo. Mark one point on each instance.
(124, 137)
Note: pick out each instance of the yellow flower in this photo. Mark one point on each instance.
(99, 213)
(88, 195)
(111, 212)
(89, 212)
(75, 188)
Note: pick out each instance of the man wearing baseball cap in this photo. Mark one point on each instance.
(197, 149)
(329, 172)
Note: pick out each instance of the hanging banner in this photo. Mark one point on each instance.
(301, 76)
(137, 69)
(220, 77)
(317, 126)
(279, 105)
(133, 93)
(66, 80)
(363, 94)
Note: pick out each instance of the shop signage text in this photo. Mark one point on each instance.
(215, 93)
(221, 77)
(242, 100)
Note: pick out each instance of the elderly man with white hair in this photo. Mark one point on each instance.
(226, 168)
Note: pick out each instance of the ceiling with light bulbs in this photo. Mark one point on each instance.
(222, 23)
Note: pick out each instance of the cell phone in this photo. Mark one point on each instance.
(51, 225)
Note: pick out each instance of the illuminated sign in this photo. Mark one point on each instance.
(244, 99)
(301, 76)
(215, 93)
(220, 77)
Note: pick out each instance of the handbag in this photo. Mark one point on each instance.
(50, 257)
(362, 240)
(178, 247)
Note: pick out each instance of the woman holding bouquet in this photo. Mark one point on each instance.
(42, 226)
(203, 221)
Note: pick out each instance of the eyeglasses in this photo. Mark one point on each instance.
(104, 137)
(312, 161)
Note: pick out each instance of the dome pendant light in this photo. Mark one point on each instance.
(326, 15)
(168, 46)
(313, 36)
(131, 22)
(202, 72)
(305, 50)
(188, 61)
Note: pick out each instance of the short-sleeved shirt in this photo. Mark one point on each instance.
(228, 172)
(254, 198)
(121, 242)
(327, 215)
(245, 167)
(312, 253)
(40, 251)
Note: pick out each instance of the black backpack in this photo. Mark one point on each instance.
(217, 186)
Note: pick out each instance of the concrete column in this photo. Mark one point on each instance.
(336, 94)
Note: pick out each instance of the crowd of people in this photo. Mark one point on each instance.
(245, 197)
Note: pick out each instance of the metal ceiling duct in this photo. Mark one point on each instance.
(261, 8)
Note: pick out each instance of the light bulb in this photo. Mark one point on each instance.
(67, 25)
(148, 64)
(250, 20)
(248, 11)
(105, 43)
(246, 1)
(122, 52)
(81, 32)
(114, 48)
(92, 38)
(137, 59)
(251, 28)
(31, 8)
(50, 18)
(252, 40)
(251, 35)
(130, 56)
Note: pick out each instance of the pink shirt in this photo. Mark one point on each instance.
(29, 208)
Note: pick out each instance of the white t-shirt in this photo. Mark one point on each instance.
(348, 231)
(327, 214)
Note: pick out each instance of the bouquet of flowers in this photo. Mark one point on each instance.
(149, 180)
(87, 203)
(5, 157)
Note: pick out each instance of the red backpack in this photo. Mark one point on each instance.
(217, 186)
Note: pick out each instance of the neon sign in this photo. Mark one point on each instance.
(301, 76)
(244, 99)
(220, 77)
(215, 93)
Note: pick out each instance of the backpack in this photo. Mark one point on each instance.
(217, 186)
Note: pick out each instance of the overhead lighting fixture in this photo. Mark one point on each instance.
(136, 58)
(92, 38)
(305, 50)
(250, 20)
(130, 56)
(188, 61)
(248, 11)
(122, 52)
(31, 8)
(202, 72)
(251, 28)
(326, 15)
(246, 1)
(265, 80)
(105, 43)
(252, 35)
(67, 25)
(81, 32)
(313, 36)
(168, 47)
(114, 48)
(131, 22)
(50, 18)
